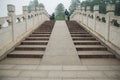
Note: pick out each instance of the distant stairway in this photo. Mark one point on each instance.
(34, 45)
(87, 45)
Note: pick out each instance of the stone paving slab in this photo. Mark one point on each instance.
(51, 79)
(9, 73)
(49, 67)
(59, 67)
(15, 78)
(60, 49)
(50, 72)
(20, 61)
(41, 74)
(100, 62)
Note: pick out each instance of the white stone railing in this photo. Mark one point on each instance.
(101, 25)
(15, 28)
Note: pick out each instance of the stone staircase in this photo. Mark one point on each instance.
(87, 45)
(35, 44)
(26, 63)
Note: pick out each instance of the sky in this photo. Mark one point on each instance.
(50, 5)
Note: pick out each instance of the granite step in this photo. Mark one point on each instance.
(33, 42)
(95, 54)
(26, 54)
(90, 48)
(78, 33)
(40, 35)
(31, 48)
(38, 38)
(83, 38)
(89, 42)
(81, 35)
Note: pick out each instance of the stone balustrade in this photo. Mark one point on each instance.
(105, 26)
(15, 28)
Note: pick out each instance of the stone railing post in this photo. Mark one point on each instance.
(110, 12)
(25, 9)
(88, 9)
(41, 12)
(38, 11)
(96, 11)
(83, 11)
(25, 12)
(33, 11)
(38, 18)
(11, 13)
(76, 13)
(11, 10)
(110, 9)
(87, 12)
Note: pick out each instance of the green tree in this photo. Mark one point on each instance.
(36, 3)
(59, 11)
(73, 5)
(41, 5)
(31, 4)
(102, 6)
(117, 7)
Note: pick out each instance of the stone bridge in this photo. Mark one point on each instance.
(34, 48)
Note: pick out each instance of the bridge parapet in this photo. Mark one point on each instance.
(105, 26)
(14, 28)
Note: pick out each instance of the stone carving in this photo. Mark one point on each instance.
(114, 22)
(103, 19)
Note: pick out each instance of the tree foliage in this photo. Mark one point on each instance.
(34, 4)
(73, 5)
(59, 10)
(117, 7)
(41, 5)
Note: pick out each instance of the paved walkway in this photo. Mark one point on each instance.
(60, 49)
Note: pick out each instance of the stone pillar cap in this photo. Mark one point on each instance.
(25, 8)
(110, 8)
(10, 8)
(88, 8)
(96, 7)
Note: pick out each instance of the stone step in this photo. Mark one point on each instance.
(40, 35)
(81, 35)
(90, 42)
(78, 33)
(31, 42)
(26, 54)
(38, 38)
(90, 48)
(83, 38)
(95, 54)
(31, 48)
